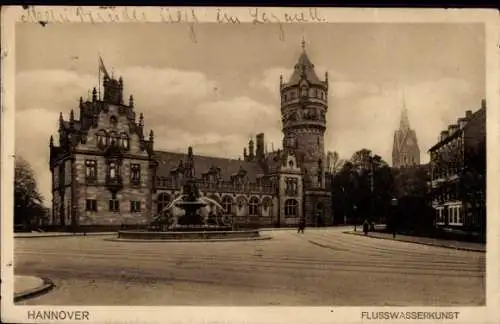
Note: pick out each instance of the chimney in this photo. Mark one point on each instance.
(462, 122)
(468, 114)
(452, 128)
(483, 104)
(444, 135)
(251, 150)
(259, 152)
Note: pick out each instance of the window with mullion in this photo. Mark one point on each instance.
(114, 205)
(135, 174)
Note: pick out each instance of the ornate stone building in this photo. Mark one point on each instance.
(105, 170)
(405, 150)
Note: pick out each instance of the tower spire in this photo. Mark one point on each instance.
(404, 123)
(303, 43)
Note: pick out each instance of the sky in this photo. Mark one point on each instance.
(215, 88)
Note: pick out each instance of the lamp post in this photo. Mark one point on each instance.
(372, 198)
(394, 204)
(355, 216)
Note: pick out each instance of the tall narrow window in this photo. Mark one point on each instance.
(163, 202)
(114, 205)
(227, 203)
(91, 170)
(101, 138)
(124, 141)
(135, 174)
(112, 170)
(291, 186)
(291, 208)
(113, 138)
(254, 206)
(135, 206)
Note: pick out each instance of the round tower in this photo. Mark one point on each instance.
(304, 103)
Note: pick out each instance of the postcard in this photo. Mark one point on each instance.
(274, 165)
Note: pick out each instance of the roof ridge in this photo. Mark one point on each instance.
(202, 156)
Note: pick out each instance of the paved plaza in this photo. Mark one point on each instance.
(323, 267)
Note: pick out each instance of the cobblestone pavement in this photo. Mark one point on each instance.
(322, 267)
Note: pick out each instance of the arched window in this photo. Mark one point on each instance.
(253, 209)
(291, 208)
(124, 141)
(241, 202)
(227, 203)
(163, 202)
(113, 138)
(266, 204)
(101, 137)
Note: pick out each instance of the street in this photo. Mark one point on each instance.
(323, 267)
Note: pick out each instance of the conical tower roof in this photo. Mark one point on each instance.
(304, 69)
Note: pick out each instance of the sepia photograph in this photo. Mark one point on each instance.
(249, 164)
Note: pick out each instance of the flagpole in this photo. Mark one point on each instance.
(99, 77)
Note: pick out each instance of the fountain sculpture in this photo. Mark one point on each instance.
(191, 225)
(191, 202)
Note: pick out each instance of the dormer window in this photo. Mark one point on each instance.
(304, 91)
(113, 138)
(113, 120)
(290, 163)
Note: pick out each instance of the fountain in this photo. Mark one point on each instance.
(191, 202)
(191, 225)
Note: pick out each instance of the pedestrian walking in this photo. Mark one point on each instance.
(394, 216)
(302, 226)
(366, 226)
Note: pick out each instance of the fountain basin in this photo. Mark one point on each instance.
(191, 235)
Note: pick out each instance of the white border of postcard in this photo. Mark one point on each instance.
(126, 314)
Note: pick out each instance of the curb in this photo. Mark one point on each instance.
(421, 243)
(63, 235)
(30, 293)
(190, 241)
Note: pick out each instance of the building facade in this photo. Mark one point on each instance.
(106, 171)
(458, 174)
(405, 150)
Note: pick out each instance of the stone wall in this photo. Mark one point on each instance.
(318, 201)
(102, 194)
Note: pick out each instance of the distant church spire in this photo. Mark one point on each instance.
(404, 123)
(405, 150)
